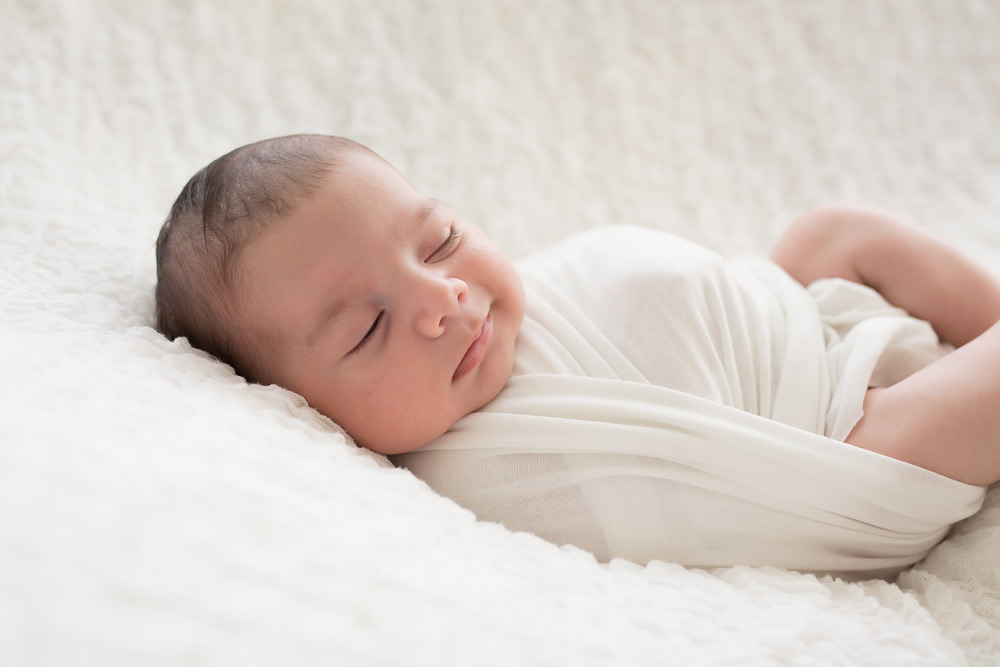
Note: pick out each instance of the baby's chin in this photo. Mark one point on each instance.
(390, 446)
(402, 440)
(403, 436)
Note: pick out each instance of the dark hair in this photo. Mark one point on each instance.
(221, 209)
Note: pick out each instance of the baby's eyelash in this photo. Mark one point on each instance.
(454, 236)
(368, 336)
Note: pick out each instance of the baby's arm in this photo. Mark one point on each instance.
(911, 268)
(945, 417)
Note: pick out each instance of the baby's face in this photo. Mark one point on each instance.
(385, 310)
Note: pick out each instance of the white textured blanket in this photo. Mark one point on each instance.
(156, 509)
(670, 405)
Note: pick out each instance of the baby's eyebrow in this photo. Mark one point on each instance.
(426, 208)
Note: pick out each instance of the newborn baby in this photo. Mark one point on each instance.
(309, 262)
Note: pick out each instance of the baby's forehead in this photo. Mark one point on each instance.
(361, 208)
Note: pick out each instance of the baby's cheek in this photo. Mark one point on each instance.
(410, 407)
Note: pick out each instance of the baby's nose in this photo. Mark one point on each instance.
(439, 301)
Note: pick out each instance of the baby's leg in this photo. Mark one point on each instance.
(945, 417)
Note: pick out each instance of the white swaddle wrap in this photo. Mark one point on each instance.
(666, 404)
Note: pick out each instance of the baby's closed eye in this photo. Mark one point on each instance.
(369, 335)
(449, 244)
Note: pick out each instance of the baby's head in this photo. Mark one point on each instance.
(309, 262)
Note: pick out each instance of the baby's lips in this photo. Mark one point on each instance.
(476, 350)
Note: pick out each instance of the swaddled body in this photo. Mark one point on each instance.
(655, 403)
(667, 404)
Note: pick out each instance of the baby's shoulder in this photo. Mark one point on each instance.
(612, 272)
(610, 252)
(625, 237)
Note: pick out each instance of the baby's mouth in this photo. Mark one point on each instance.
(476, 350)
